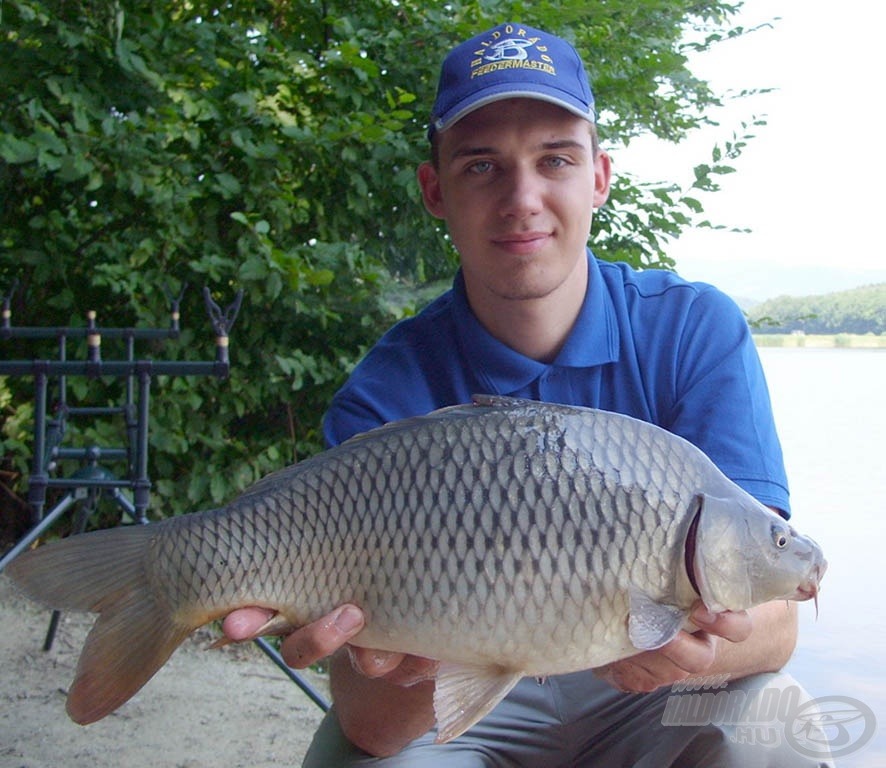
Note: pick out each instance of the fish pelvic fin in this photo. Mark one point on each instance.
(104, 573)
(651, 624)
(465, 693)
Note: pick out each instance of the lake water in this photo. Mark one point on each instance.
(830, 408)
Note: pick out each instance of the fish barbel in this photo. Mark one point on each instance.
(505, 538)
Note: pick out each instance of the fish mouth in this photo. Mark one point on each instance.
(806, 592)
(808, 589)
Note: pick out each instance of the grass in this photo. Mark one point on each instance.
(821, 341)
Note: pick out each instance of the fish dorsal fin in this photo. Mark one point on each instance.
(479, 405)
(410, 423)
(652, 624)
(465, 693)
(502, 401)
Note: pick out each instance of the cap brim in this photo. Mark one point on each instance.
(500, 94)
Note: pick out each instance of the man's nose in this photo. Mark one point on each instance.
(522, 193)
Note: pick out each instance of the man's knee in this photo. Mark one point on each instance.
(330, 747)
(750, 724)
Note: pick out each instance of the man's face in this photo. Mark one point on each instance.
(517, 183)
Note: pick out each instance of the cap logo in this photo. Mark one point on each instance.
(510, 61)
(513, 51)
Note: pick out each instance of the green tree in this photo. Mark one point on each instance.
(859, 310)
(271, 147)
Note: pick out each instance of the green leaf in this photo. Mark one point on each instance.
(14, 150)
(229, 186)
(693, 204)
(74, 167)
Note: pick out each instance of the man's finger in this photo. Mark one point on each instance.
(244, 623)
(691, 653)
(735, 626)
(373, 663)
(413, 670)
(396, 668)
(323, 637)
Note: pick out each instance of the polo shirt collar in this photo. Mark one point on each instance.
(593, 340)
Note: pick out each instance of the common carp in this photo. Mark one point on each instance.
(506, 538)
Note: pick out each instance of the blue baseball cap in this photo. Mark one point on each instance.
(510, 61)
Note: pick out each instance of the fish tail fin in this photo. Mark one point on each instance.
(134, 635)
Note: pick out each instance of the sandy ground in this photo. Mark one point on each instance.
(227, 708)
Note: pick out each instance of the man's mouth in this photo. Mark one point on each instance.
(522, 242)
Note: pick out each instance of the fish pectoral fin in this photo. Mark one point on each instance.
(465, 693)
(652, 624)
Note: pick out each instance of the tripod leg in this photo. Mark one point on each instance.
(31, 536)
(51, 630)
(312, 693)
(81, 517)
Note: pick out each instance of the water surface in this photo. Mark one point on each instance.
(830, 409)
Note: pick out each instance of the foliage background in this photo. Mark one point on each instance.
(859, 310)
(271, 147)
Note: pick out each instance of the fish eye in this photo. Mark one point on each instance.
(780, 537)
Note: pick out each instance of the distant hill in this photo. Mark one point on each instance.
(860, 310)
(745, 304)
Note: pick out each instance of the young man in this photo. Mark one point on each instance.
(516, 176)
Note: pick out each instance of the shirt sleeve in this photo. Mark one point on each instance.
(721, 399)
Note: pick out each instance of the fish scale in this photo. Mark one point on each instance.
(505, 538)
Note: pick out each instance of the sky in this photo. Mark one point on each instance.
(810, 185)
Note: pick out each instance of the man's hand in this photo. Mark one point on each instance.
(395, 668)
(687, 655)
(322, 638)
(306, 645)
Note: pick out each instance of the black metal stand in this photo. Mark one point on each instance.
(137, 374)
(312, 693)
(86, 485)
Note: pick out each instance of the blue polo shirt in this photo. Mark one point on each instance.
(646, 343)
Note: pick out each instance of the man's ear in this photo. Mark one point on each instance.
(602, 177)
(429, 181)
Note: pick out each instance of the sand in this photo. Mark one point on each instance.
(226, 708)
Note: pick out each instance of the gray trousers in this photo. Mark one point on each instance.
(578, 721)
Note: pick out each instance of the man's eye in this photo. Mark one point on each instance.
(480, 167)
(556, 162)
